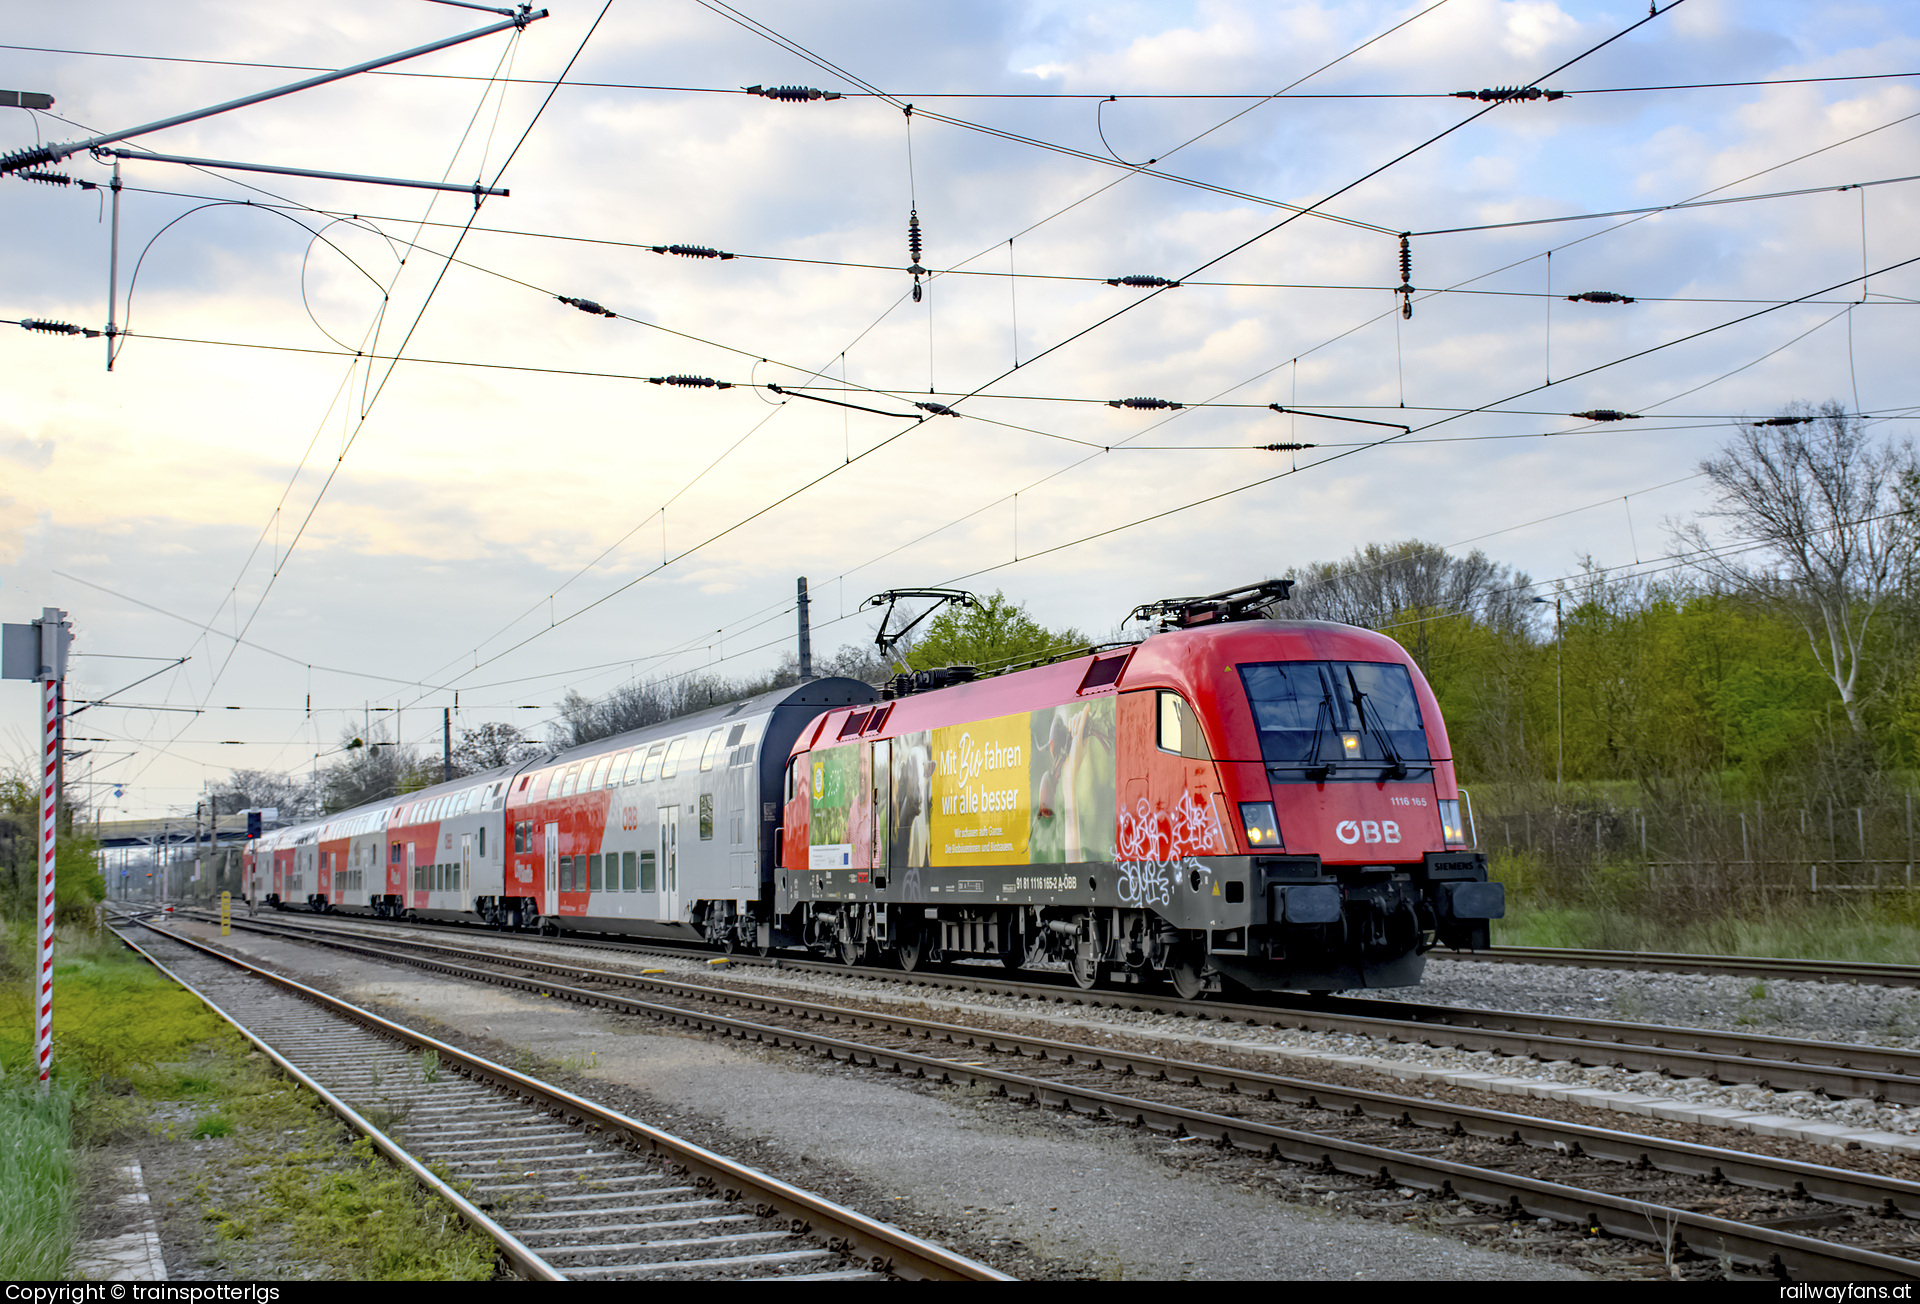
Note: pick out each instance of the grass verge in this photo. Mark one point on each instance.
(268, 1180)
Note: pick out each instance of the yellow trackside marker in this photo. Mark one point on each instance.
(226, 914)
(721, 963)
(648, 973)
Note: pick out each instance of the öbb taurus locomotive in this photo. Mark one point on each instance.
(1233, 801)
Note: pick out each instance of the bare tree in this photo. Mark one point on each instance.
(293, 795)
(371, 769)
(491, 746)
(1382, 582)
(1834, 516)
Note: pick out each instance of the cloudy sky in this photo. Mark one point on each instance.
(511, 509)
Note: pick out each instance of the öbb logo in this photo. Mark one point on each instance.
(1352, 831)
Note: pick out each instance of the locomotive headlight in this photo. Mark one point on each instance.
(1263, 831)
(1350, 746)
(1450, 825)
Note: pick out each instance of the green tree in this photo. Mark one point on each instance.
(995, 634)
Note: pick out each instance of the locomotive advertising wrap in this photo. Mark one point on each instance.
(1032, 788)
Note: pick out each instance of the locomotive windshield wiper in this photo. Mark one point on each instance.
(1397, 768)
(1316, 768)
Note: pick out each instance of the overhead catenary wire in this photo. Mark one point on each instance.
(953, 94)
(400, 349)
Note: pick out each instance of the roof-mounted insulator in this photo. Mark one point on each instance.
(1143, 282)
(691, 382)
(587, 305)
(1510, 93)
(56, 179)
(1599, 296)
(938, 409)
(913, 251)
(1286, 448)
(1786, 421)
(792, 94)
(25, 158)
(1145, 404)
(1605, 414)
(1405, 288)
(690, 251)
(56, 327)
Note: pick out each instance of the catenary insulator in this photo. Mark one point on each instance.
(1142, 282)
(56, 179)
(1405, 288)
(792, 94)
(1287, 448)
(1599, 296)
(913, 237)
(25, 158)
(690, 251)
(1148, 404)
(1510, 93)
(692, 382)
(55, 327)
(1786, 421)
(938, 409)
(587, 305)
(1605, 414)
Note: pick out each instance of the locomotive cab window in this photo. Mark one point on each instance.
(1179, 729)
(1339, 721)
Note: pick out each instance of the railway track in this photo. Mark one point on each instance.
(1839, 1069)
(566, 1188)
(1820, 971)
(1751, 1209)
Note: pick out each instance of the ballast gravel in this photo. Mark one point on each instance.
(1881, 1016)
(1037, 1193)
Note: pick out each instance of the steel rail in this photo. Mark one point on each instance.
(1782, 1252)
(524, 1261)
(1760, 1172)
(887, 1248)
(1886, 1074)
(1823, 971)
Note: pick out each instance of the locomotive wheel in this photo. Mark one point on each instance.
(1086, 966)
(913, 950)
(851, 950)
(1183, 971)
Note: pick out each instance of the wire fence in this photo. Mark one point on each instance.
(1697, 849)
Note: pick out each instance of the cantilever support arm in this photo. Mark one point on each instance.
(27, 158)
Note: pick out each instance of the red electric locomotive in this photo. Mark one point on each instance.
(1236, 800)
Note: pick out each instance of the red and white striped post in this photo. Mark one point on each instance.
(39, 652)
(50, 762)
